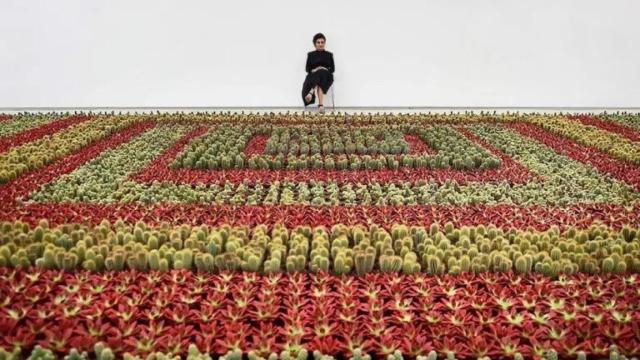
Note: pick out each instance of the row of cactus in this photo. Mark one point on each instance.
(102, 352)
(626, 119)
(419, 192)
(325, 140)
(20, 122)
(341, 249)
(44, 150)
(340, 118)
(223, 148)
(220, 148)
(616, 145)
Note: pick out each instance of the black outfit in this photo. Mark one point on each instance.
(321, 77)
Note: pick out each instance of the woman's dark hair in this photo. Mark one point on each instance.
(318, 36)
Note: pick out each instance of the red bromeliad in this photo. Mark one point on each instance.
(314, 313)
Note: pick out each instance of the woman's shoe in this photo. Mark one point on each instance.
(321, 109)
(309, 96)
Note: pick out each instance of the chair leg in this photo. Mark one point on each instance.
(333, 99)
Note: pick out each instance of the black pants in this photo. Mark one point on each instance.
(322, 78)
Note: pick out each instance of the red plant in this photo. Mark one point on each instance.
(505, 216)
(300, 323)
(256, 145)
(417, 145)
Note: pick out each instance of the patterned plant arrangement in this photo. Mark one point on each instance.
(335, 236)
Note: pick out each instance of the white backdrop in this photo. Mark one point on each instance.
(252, 53)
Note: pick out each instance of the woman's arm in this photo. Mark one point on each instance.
(332, 66)
(308, 66)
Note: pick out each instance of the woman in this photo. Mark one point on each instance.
(320, 70)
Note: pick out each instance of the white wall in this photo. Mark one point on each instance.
(252, 53)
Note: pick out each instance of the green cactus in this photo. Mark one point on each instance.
(434, 229)
(272, 265)
(364, 261)
(115, 261)
(194, 354)
(69, 262)
(227, 262)
(252, 263)
(232, 355)
(502, 264)
(410, 264)
(613, 353)
(120, 259)
(93, 260)
(75, 355)
(620, 267)
(205, 262)
(399, 231)
(39, 353)
(214, 244)
(358, 235)
(300, 354)
(628, 233)
(38, 234)
(455, 270)
(65, 241)
(358, 355)
(90, 265)
(154, 260)
(20, 260)
(153, 242)
(449, 228)
(48, 260)
(139, 261)
(183, 259)
(320, 264)
(465, 263)
(317, 355)
(433, 265)
(389, 264)
(397, 355)
(164, 265)
(608, 265)
(431, 356)
(551, 355)
(523, 264)
(340, 266)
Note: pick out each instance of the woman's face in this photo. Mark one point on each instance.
(320, 44)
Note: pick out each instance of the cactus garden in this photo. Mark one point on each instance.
(319, 236)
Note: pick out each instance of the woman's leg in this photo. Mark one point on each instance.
(320, 95)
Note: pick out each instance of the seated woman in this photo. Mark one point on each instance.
(320, 68)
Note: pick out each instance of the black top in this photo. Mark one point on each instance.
(320, 58)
